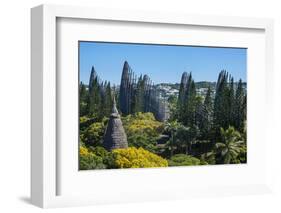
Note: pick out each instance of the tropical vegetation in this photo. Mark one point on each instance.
(202, 129)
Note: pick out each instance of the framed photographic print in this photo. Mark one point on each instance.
(130, 106)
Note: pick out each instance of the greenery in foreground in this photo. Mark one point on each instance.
(200, 131)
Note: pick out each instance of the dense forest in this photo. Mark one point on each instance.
(186, 127)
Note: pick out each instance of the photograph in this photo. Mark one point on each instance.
(161, 105)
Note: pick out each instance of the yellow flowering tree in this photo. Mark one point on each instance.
(92, 136)
(142, 130)
(88, 160)
(137, 158)
(144, 123)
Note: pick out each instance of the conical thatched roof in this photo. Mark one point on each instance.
(115, 136)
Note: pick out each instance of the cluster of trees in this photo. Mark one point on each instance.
(208, 114)
(144, 149)
(96, 100)
(95, 158)
(202, 129)
(213, 127)
(143, 130)
(138, 158)
(230, 103)
(99, 158)
(184, 160)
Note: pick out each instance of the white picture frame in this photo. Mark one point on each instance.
(45, 171)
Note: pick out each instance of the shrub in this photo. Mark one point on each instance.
(143, 123)
(143, 140)
(142, 130)
(137, 158)
(209, 158)
(89, 160)
(99, 151)
(93, 135)
(232, 147)
(84, 119)
(84, 122)
(107, 157)
(183, 160)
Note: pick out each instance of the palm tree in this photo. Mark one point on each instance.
(182, 138)
(171, 128)
(231, 146)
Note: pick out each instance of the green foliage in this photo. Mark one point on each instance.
(143, 140)
(83, 104)
(182, 137)
(89, 160)
(229, 105)
(211, 127)
(239, 114)
(99, 151)
(93, 135)
(185, 137)
(171, 129)
(209, 158)
(142, 130)
(231, 147)
(96, 158)
(95, 99)
(137, 158)
(183, 160)
(84, 119)
(187, 117)
(108, 99)
(222, 102)
(173, 101)
(204, 116)
(84, 122)
(107, 157)
(242, 156)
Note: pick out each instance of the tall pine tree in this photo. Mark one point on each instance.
(83, 97)
(221, 103)
(95, 99)
(240, 107)
(187, 103)
(204, 116)
(229, 104)
(108, 99)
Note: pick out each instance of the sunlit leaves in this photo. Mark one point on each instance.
(137, 158)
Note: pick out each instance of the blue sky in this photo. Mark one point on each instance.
(163, 63)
